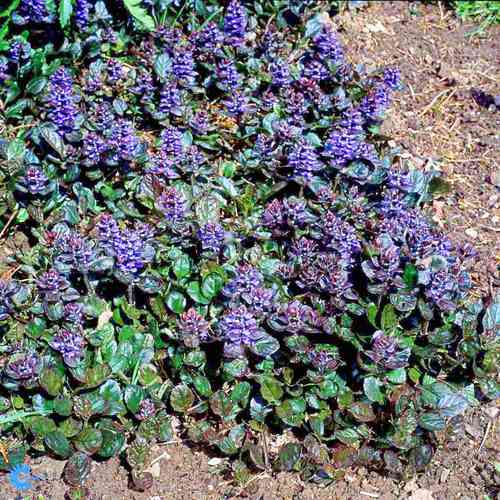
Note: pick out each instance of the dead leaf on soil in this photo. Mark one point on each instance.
(410, 485)
(421, 494)
(377, 27)
(492, 412)
(104, 318)
(155, 470)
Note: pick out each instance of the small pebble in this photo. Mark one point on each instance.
(471, 233)
(444, 475)
(155, 470)
(492, 412)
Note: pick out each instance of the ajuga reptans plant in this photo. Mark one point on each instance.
(203, 221)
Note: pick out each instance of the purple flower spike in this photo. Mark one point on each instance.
(246, 278)
(103, 116)
(62, 100)
(76, 251)
(94, 149)
(304, 160)
(280, 73)
(211, 236)
(237, 104)
(340, 236)
(107, 229)
(70, 345)
(173, 205)
(259, 300)
(351, 124)
(386, 352)
(303, 248)
(235, 23)
(315, 70)
(145, 231)
(51, 283)
(4, 70)
(144, 85)
(183, 68)
(8, 288)
(172, 143)
(19, 51)
(239, 329)
(228, 76)
(82, 14)
(392, 203)
(392, 78)
(209, 38)
(35, 180)
(375, 103)
(264, 146)
(193, 327)
(199, 122)
(447, 287)
(34, 11)
(400, 179)
(296, 317)
(123, 141)
(115, 71)
(146, 409)
(323, 359)
(384, 267)
(73, 313)
(129, 250)
(170, 99)
(328, 46)
(23, 366)
(273, 216)
(341, 148)
(295, 211)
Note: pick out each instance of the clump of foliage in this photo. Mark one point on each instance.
(487, 13)
(201, 219)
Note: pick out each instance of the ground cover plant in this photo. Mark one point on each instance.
(201, 219)
(485, 13)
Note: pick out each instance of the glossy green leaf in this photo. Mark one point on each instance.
(194, 291)
(397, 376)
(432, 421)
(89, 440)
(389, 318)
(57, 443)
(52, 381)
(140, 14)
(182, 266)
(271, 390)
(65, 11)
(176, 302)
(371, 386)
(181, 398)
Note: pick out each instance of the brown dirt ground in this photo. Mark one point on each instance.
(434, 119)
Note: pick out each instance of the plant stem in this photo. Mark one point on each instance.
(88, 286)
(130, 294)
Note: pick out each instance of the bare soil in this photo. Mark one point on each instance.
(436, 120)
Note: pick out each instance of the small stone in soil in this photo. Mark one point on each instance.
(495, 178)
(471, 233)
(444, 475)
